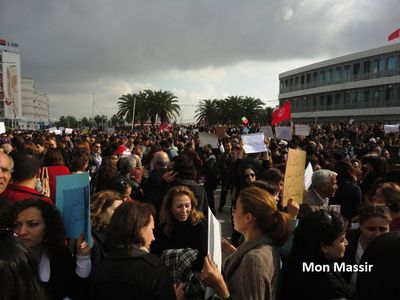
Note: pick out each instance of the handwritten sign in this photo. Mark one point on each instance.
(302, 130)
(254, 143)
(208, 138)
(68, 130)
(52, 129)
(267, 130)
(391, 128)
(294, 176)
(73, 201)
(214, 245)
(283, 133)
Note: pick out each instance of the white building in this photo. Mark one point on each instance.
(21, 104)
(361, 86)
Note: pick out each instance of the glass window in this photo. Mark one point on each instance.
(302, 79)
(377, 66)
(346, 73)
(329, 75)
(388, 93)
(315, 77)
(356, 69)
(291, 82)
(329, 100)
(367, 66)
(366, 97)
(337, 73)
(321, 100)
(337, 99)
(286, 83)
(346, 98)
(390, 63)
(322, 76)
(354, 97)
(308, 79)
(314, 101)
(377, 96)
(296, 81)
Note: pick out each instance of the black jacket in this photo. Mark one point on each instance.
(131, 274)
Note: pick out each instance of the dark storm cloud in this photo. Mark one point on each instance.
(67, 45)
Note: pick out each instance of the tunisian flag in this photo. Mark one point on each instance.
(281, 114)
(394, 35)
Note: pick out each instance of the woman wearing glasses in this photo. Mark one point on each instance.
(374, 221)
(318, 243)
(252, 271)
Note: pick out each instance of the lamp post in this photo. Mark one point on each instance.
(133, 113)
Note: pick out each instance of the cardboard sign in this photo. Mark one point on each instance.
(73, 201)
(308, 176)
(220, 131)
(294, 176)
(254, 143)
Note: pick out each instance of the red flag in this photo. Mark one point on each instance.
(394, 35)
(281, 114)
(2, 42)
(166, 127)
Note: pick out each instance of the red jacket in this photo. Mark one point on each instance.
(16, 192)
(55, 171)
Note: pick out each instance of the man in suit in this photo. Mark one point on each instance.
(324, 186)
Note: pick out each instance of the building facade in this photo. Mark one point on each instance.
(21, 104)
(362, 86)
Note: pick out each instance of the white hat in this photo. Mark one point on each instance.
(283, 143)
(372, 140)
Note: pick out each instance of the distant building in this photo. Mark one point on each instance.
(21, 104)
(360, 86)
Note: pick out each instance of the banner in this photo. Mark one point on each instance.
(267, 131)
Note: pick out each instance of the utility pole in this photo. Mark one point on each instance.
(134, 111)
(93, 110)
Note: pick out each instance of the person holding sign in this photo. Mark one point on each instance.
(252, 271)
(38, 225)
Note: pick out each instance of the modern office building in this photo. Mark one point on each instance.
(21, 104)
(361, 86)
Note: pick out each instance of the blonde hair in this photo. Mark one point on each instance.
(100, 202)
(269, 219)
(167, 218)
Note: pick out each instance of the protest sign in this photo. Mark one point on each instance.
(254, 143)
(73, 201)
(283, 133)
(214, 245)
(307, 176)
(302, 130)
(2, 127)
(208, 138)
(58, 132)
(61, 128)
(52, 129)
(220, 131)
(391, 128)
(294, 176)
(68, 130)
(267, 131)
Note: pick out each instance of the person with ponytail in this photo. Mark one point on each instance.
(252, 271)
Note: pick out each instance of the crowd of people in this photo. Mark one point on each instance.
(151, 192)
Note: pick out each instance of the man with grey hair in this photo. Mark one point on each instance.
(6, 168)
(324, 186)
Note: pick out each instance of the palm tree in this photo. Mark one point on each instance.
(207, 111)
(251, 106)
(163, 105)
(125, 106)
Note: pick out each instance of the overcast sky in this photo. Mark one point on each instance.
(197, 49)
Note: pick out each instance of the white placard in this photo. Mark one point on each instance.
(2, 128)
(68, 130)
(283, 133)
(307, 176)
(214, 247)
(391, 128)
(208, 138)
(254, 143)
(58, 132)
(302, 130)
(61, 128)
(194, 131)
(267, 131)
(52, 129)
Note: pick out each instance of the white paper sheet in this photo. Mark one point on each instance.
(208, 138)
(68, 130)
(2, 127)
(307, 176)
(302, 130)
(267, 131)
(254, 143)
(52, 129)
(283, 133)
(391, 128)
(214, 246)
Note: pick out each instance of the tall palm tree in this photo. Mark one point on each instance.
(126, 107)
(163, 105)
(232, 109)
(207, 111)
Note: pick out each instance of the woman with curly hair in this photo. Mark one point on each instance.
(181, 225)
(102, 208)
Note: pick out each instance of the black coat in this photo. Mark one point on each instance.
(349, 197)
(131, 274)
